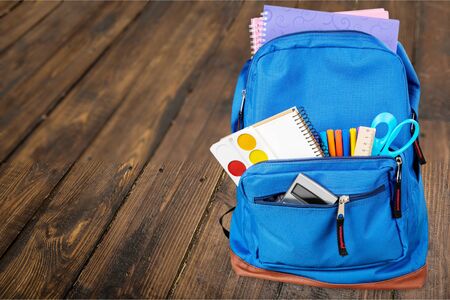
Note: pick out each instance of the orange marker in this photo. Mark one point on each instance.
(331, 145)
(338, 141)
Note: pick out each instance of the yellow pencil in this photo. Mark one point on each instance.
(352, 141)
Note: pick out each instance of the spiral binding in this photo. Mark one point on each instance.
(257, 30)
(309, 132)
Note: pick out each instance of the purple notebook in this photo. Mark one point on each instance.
(283, 20)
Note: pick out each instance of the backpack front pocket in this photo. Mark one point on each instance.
(313, 236)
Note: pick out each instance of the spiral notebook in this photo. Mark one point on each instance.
(276, 21)
(256, 28)
(286, 135)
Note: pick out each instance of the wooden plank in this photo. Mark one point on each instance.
(7, 6)
(434, 137)
(76, 121)
(152, 223)
(13, 174)
(23, 18)
(50, 237)
(39, 44)
(26, 104)
(432, 59)
(436, 180)
(126, 142)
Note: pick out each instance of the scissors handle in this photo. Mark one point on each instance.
(391, 122)
(393, 135)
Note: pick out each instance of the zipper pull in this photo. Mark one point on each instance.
(340, 225)
(416, 143)
(397, 204)
(240, 123)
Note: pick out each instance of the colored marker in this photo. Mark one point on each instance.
(346, 142)
(331, 145)
(338, 142)
(352, 141)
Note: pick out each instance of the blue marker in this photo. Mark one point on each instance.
(346, 141)
(323, 137)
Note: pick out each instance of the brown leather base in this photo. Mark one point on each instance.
(412, 280)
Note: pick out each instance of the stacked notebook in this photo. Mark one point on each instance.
(276, 21)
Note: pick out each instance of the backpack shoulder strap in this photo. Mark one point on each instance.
(226, 231)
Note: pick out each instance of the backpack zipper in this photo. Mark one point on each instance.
(396, 205)
(340, 225)
(240, 123)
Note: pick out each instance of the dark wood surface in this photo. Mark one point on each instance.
(107, 112)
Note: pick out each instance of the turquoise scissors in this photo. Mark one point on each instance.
(381, 145)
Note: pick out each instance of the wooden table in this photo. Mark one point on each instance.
(107, 111)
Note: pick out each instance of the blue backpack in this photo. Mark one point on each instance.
(343, 79)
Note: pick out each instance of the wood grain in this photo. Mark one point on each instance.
(136, 125)
(28, 104)
(77, 120)
(198, 124)
(434, 140)
(433, 59)
(32, 50)
(48, 237)
(16, 23)
(7, 6)
(147, 223)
